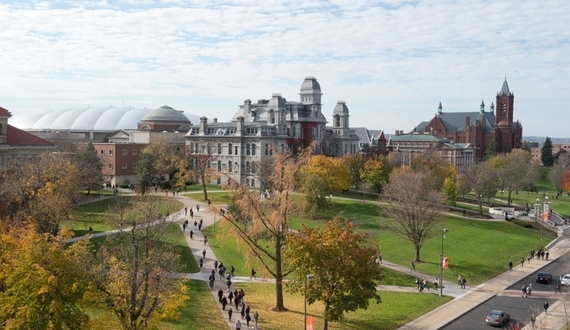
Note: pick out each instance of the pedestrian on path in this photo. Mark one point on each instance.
(204, 253)
(547, 254)
(232, 270)
(205, 240)
(195, 224)
(231, 296)
(436, 283)
(197, 207)
(184, 225)
(238, 325)
(546, 305)
(230, 312)
(220, 295)
(253, 272)
(412, 266)
(256, 317)
(510, 265)
(191, 234)
(247, 319)
(185, 210)
(532, 320)
(522, 262)
(201, 262)
(557, 290)
(224, 303)
(216, 264)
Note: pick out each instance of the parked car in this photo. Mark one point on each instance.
(543, 277)
(497, 318)
(565, 279)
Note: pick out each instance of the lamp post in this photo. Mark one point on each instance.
(443, 231)
(307, 277)
(545, 213)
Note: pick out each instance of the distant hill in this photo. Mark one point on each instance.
(541, 139)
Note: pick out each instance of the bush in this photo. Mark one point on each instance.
(523, 224)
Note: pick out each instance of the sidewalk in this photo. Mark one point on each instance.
(452, 310)
(197, 246)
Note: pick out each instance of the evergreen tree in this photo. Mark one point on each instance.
(491, 150)
(546, 153)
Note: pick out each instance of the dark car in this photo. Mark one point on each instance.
(543, 278)
(497, 318)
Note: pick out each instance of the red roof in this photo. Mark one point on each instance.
(17, 137)
(5, 113)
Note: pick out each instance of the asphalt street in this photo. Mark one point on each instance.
(510, 300)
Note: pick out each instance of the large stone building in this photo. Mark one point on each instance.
(481, 129)
(275, 125)
(16, 143)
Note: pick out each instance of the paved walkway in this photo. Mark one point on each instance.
(464, 299)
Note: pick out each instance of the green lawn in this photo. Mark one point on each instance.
(395, 310)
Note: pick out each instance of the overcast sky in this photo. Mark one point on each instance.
(391, 61)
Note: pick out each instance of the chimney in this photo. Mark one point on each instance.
(203, 123)
(215, 120)
(239, 130)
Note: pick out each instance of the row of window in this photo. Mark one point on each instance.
(124, 152)
(124, 166)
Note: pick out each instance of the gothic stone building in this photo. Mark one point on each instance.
(237, 147)
(480, 129)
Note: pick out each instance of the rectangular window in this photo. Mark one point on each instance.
(124, 166)
(110, 152)
(124, 152)
(134, 165)
(110, 166)
(102, 152)
(135, 152)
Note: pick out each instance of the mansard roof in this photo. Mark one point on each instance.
(456, 120)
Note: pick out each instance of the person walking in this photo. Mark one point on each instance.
(185, 210)
(197, 207)
(510, 265)
(195, 224)
(412, 266)
(546, 305)
(256, 317)
(220, 295)
(184, 225)
(204, 253)
(247, 320)
(532, 320)
(528, 290)
(191, 234)
(238, 325)
(436, 283)
(522, 262)
(201, 262)
(557, 290)
(547, 254)
(230, 312)
(253, 272)
(205, 240)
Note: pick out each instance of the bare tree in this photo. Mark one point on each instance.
(201, 156)
(413, 205)
(561, 165)
(268, 219)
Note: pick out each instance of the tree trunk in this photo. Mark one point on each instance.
(279, 306)
(417, 253)
(204, 187)
(325, 318)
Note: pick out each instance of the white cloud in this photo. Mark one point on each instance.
(391, 61)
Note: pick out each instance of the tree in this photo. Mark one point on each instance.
(343, 263)
(201, 157)
(439, 169)
(450, 190)
(376, 171)
(131, 274)
(546, 155)
(41, 280)
(414, 205)
(163, 153)
(315, 190)
(491, 150)
(482, 181)
(334, 171)
(145, 170)
(561, 166)
(355, 164)
(43, 190)
(89, 168)
(565, 181)
(513, 171)
(269, 218)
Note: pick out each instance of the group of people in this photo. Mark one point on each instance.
(461, 281)
(238, 299)
(422, 283)
(526, 290)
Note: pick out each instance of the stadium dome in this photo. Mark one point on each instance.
(91, 119)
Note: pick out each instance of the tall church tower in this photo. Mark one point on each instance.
(505, 105)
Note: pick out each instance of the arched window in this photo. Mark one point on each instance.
(253, 183)
(230, 149)
(219, 165)
(253, 149)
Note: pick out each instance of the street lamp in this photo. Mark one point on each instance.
(545, 213)
(443, 231)
(307, 277)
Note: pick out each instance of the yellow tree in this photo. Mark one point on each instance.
(376, 171)
(438, 167)
(334, 171)
(513, 171)
(44, 189)
(342, 262)
(268, 219)
(131, 274)
(41, 281)
(565, 181)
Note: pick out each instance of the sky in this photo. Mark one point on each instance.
(391, 61)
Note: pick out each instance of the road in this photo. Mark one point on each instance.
(511, 301)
